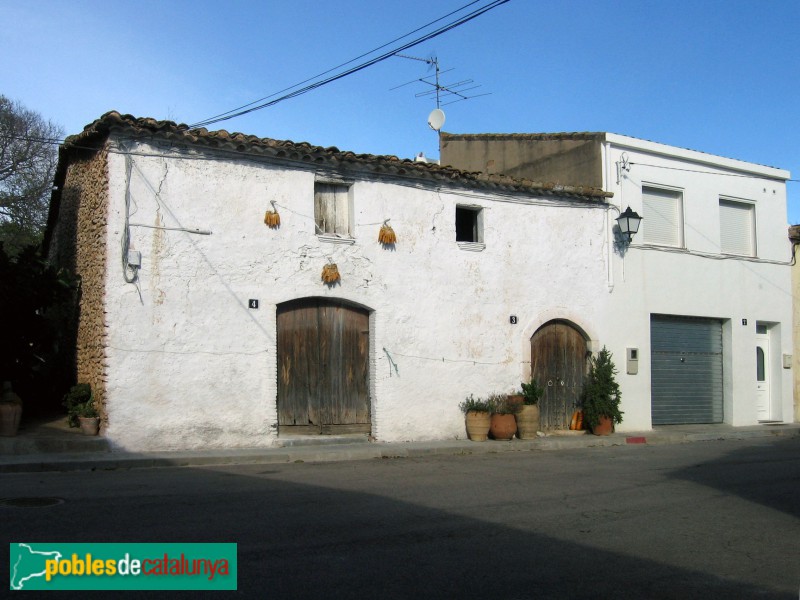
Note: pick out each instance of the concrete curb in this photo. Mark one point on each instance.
(339, 452)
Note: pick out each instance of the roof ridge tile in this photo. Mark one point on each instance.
(308, 152)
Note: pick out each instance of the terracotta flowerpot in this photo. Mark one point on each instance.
(89, 425)
(478, 425)
(10, 414)
(604, 427)
(517, 400)
(528, 422)
(10, 411)
(503, 426)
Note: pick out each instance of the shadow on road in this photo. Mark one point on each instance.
(750, 474)
(316, 541)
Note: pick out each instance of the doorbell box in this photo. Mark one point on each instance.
(632, 361)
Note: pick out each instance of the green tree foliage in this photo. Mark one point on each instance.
(28, 156)
(28, 289)
(79, 403)
(601, 395)
(532, 392)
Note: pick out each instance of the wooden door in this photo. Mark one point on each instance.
(323, 349)
(559, 364)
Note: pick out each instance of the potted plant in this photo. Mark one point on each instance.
(10, 411)
(601, 395)
(88, 418)
(503, 423)
(81, 410)
(516, 397)
(477, 416)
(528, 416)
(76, 396)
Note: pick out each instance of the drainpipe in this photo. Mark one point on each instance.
(607, 179)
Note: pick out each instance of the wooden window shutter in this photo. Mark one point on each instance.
(331, 208)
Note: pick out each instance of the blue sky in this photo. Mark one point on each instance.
(718, 76)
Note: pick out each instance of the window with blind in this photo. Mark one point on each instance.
(662, 218)
(332, 208)
(737, 228)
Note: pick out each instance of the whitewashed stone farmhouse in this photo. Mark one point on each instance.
(199, 325)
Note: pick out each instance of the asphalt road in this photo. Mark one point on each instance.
(701, 520)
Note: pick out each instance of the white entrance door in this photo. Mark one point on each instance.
(762, 376)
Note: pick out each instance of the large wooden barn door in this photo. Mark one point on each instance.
(558, 362)
(323, 349)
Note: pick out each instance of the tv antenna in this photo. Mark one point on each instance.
(445, 94)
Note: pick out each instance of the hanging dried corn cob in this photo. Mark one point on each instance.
(386, 235)
(330, 273)
(272, 218)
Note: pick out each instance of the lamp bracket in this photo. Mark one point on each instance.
(623, 164)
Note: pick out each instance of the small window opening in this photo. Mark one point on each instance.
(468, 224)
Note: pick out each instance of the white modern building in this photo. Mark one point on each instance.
(697, 309)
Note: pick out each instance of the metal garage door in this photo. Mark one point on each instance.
(686, 361)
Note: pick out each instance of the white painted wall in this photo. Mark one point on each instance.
(648, 281)
(191, 366)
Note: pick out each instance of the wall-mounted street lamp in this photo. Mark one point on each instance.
(629, 223)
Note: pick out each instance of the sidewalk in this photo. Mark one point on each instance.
(52, 446)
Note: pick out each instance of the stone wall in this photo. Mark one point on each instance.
(78, 244)
(567, 159)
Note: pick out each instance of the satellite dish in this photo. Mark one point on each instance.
(436, 119)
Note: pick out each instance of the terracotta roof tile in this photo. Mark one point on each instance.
(99, 130)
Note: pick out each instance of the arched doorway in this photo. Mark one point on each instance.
(558, 363)
(323, 367)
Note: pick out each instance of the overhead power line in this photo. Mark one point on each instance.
(706, 172)
(296, 90)
(344, 64)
